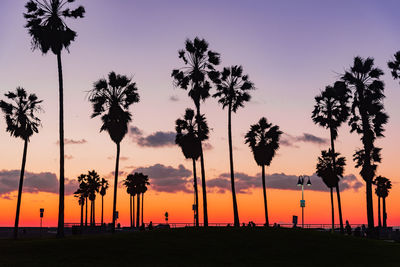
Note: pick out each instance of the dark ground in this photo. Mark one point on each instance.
(202, 247)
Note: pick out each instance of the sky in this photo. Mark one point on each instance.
(291, 51)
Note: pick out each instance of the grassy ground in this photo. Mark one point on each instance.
(203, 247)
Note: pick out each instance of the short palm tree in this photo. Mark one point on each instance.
(129, 183)
(189, 138)
(394, 65)
(331, 111)
(200, 64)
(367, 119)
(232, 92)
(48, 30)
(330, 169)
(103, 190)
(20, 115)
(79, 193)
(263, 139)
(142, 188)
(93, 182)
(84, 191)
(141, 182)
(383, 185)
(111, 99)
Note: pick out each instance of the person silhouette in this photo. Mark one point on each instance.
(348, 228)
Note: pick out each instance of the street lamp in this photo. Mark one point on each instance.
(300, 182)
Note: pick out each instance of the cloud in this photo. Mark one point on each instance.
(68, 156)
(167, 178)
(207, 146)
(290, 140)
(174, 98)
(244, 182)
(33, 183)
(73, 142)
(121, 158)
(157, 139)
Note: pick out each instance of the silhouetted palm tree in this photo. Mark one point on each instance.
(189, 134)
(141, 182)
(199, 63)
(84, 190)
(330, 168)
(93, 182)
(330, 111)
(112, 99)
(383, 185)
(81, 200)
(142, 188)
(103, 190)
(130, 185)
(394, 65)
(45, 21)
(367, 119)
(21, 123)
(232, 92)
(263, 139)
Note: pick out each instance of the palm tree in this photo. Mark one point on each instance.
(103, 190)
(330, 168)
(111, 99)
(48, 30)
(383, 185)
(81, 200)
(394, 65)
(367, 119)
(129, 183)
(263, 139)
(141, 189)
(232, 92)
(84, 190)
(141, 182)
(93, 181)
(21, 123)
(188, 138)
(199, 63)
(330, 111)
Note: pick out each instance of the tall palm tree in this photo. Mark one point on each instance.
(190, 131)
(383, 185)
(331, 111)
(367, 119)
(200, 64)
(263, 139)
(330, 168)
(394, 65)
(103, 190)
(111, 99)
(232, 92)
(130, 185)
(93, 181)
(48, 30)
(21, 123)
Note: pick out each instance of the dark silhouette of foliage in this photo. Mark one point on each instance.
(199, 66)
(130, 185)
(263, 139)
(103, 190)
(394, 65)
(93, 184)
(367, 119)
(190, 132)
(111, 99)
(48, 31)
(22, 122)
(383, 185)
(232, 92)
(330, 169)
(331, 111)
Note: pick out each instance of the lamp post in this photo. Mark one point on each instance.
(300, 182)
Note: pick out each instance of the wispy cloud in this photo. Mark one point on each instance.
(157, 139)
(72, 141)
(290, 140)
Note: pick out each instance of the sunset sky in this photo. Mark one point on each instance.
(290, 49)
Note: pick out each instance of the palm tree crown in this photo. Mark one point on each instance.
(103, 186)
(112, 99)
(190, 132)
(199, 63)
(394, 65)
(20, 115)
(46, 25)
(263, 139)
(325, 168)
(93, 184)
(232, 87)
(383, 185)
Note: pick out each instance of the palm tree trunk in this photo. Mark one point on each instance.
(196, 194)
(115, 187)
(94, 212)
(333, 212)
(235, 207)
(370, 209)
(86, 203)
(130, 209)
(379, 212)
(102, 209)
(264, 195)
(384, 212)
(21, 181)
(60, 228)
(82, 214)
(142, 207)
(133, 211)
(203, 179)
(91, 212)
(138, 211)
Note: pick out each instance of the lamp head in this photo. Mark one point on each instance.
(300, 181)
(308, 182)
